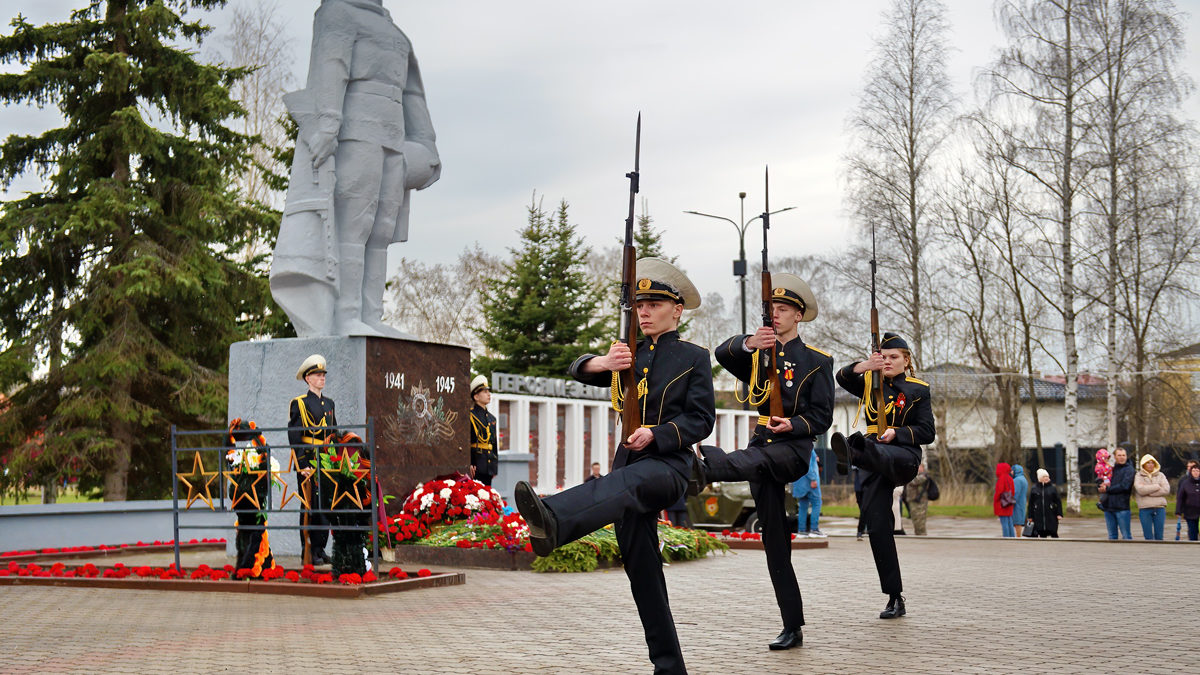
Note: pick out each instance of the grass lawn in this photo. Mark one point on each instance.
(68, 496)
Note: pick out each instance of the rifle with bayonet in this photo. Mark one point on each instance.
(768, 313)
(876, 393)
(631, 417)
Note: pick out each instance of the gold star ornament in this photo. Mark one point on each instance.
(198, 482)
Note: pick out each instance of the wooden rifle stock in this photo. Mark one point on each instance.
(775, 400)
(631, 415)
(876, 392)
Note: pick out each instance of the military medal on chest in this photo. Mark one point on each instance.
(789, 373)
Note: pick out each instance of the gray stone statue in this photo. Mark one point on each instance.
(365, 142)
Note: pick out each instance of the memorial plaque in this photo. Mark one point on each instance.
(418, 394)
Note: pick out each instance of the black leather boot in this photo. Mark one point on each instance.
(837, 443)
(787, 639)
(543, 526)
(894, 609)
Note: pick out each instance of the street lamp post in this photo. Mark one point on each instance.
(739, 265)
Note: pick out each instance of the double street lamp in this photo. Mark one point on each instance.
(739, 265)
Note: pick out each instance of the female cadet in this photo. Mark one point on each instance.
(891, 458)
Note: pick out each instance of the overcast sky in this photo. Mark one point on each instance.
(543, 95)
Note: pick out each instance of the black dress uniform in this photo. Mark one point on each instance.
(312, 421)
(771, 461)
(484, 444)
(678, 407)
(884, 466)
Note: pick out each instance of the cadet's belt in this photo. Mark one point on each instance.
(309, 440)
(376, 88)
(482, 446)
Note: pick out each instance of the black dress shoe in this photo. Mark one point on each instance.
(698, 481)
(543, 526)
(837, 443)
(894, 609)
(788, 639)
(319, 558)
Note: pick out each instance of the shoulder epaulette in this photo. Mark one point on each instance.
(819, 351)
(913, 379)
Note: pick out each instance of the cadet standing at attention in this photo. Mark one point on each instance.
(485, 441)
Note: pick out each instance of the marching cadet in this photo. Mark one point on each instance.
(312, 423)
(485, 440)
(780, 450)
(652, 466)
(889, 459)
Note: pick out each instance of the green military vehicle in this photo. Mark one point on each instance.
(729, 506)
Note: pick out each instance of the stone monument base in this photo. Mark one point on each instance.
(416, 394)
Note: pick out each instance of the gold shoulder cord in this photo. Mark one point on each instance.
(475, 423)
(868, 402)
(618, 393)
(757, 392)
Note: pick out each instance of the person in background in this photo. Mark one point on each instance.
(1150, 489)
(1020, 494)
(916, 493)
(485, 439)
(1003, 499)
(1044, 507)
(1187, 500)
(1116, 496)
(595, 472)
(807, 491)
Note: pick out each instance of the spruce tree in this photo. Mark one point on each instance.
(540, 315)
(122, 291)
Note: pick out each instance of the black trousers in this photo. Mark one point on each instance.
(318, 537)
(769, 467)
(631, 497)
(485, 478)
(887, 466)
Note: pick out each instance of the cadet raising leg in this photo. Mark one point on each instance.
(890, 458)
(652, 466)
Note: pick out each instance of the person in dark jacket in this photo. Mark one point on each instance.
(654, 462)
(890, 457)
(1187, 500)
(1116, 496)
(312, 425)
(1044, 509)
(485, 439)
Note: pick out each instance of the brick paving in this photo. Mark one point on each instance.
(976, 605)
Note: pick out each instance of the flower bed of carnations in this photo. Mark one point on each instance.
(753, 541)
(461, 513)
(305, 581)
(102, 550)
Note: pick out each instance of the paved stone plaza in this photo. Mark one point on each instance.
(975, 606)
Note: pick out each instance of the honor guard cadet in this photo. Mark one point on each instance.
(780, 450)
(887, 459)
(485, 440)
(652, 466)
(312, 423)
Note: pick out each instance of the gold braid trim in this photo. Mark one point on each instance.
(757, 392)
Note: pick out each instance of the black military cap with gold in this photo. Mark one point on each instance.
(794, 291)
(658, 279)
(892, 341)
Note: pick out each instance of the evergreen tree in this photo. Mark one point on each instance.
(122, 292)
(540, 316)
(648, 239)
